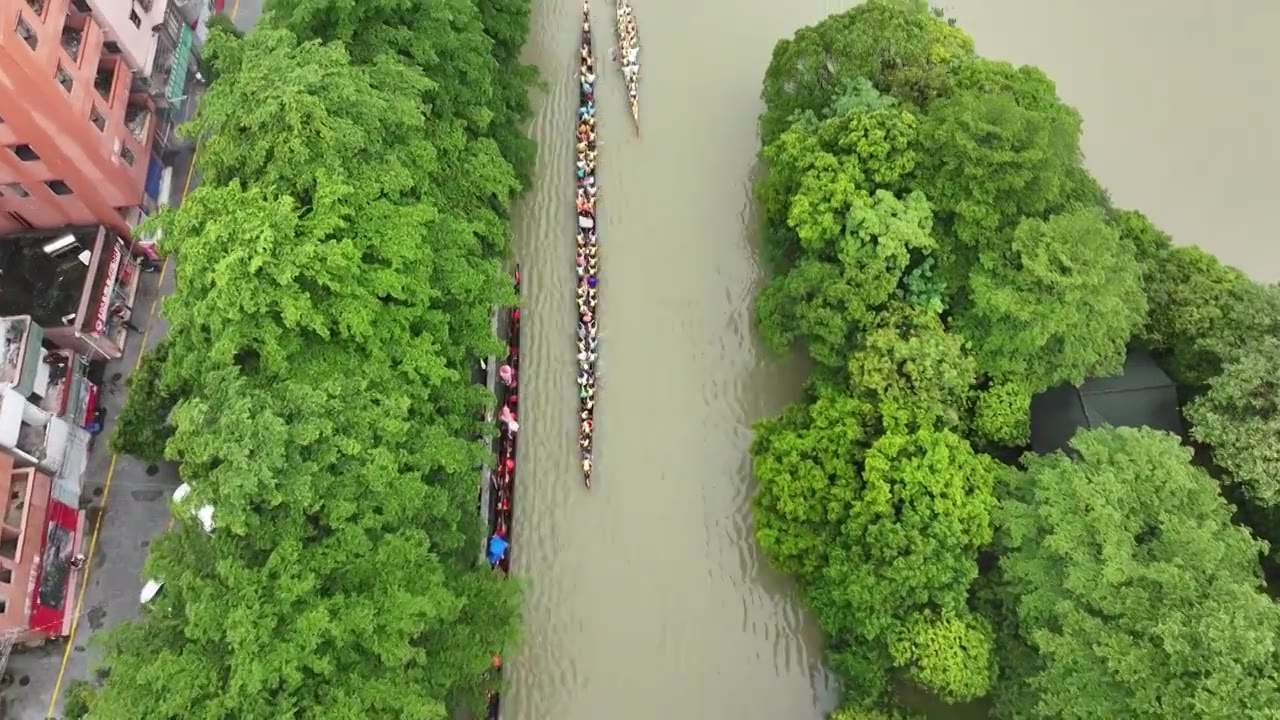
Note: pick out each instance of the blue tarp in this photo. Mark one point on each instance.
(497, 548)
(154, 170)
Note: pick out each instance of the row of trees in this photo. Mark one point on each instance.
(336, 271)
(943, 255)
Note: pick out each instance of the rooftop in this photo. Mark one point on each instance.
(13, 331)
(1142, 395)
(42, 274)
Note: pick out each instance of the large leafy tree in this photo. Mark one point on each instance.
(1001, 150)
(1058, 306)
(1239, 417)
(950, 654)
(1191, 295)
(143, 428)
(918, 512)
(1139, 596)
(910, 364)
(806, 465)
(899, 46)
(848, 241)
(334, 282)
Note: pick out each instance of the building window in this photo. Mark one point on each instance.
(111, 47)
(135, 18)
(81, 6)
(64, 78)
(96, 118)
(24, 153)
(57, 187)
(104, 79)
(72, 37)
(127, 155)
(28, 34)
(37, 6)
(18, 218)
(15, 189)
(6, 576)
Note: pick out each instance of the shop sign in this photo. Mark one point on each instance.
(177, 85)
(104, 306)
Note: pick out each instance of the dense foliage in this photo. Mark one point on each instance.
(335, 275)
(1139, 596)
(942, 254)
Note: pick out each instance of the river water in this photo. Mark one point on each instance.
(646, 596)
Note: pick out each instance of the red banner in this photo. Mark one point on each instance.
(108, 288)
(51, 596)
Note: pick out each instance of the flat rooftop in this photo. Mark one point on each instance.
(46, 284)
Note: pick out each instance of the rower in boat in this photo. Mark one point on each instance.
(586, 258)
(628, 56)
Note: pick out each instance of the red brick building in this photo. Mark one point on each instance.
(75, 135)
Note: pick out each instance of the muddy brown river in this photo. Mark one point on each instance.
(646, 596)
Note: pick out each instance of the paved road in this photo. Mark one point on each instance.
(129, 504)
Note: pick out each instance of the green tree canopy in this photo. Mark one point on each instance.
(949, 654)
(1190, 294)
(336, 273)
(910, 363)
(806, 466)
(1239, 417)
(917, 513)
(1140, 597)
(847, 242)
(143, 428)
(817, 168)
(857, 713)
(989, 160)
(1002, 415)
(826, 302)
(1059, 306)
(902, 48)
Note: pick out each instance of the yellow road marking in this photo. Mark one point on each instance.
(97, 525)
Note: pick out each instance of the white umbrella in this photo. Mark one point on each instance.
(205, 516)
(149, 591)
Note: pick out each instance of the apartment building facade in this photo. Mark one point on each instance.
(46, 400)
(91, 80)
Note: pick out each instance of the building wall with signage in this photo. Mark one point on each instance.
(75, 141)
(23, 528)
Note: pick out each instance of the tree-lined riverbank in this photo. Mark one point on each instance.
(943, 255)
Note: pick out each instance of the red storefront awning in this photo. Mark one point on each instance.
(51, 593)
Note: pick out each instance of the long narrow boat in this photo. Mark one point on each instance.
(627, 34)
(501, 492)
(588, 261)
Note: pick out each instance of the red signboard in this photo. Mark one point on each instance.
(51, 596)
(108, 288)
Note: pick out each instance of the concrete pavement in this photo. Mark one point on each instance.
(126, 502)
